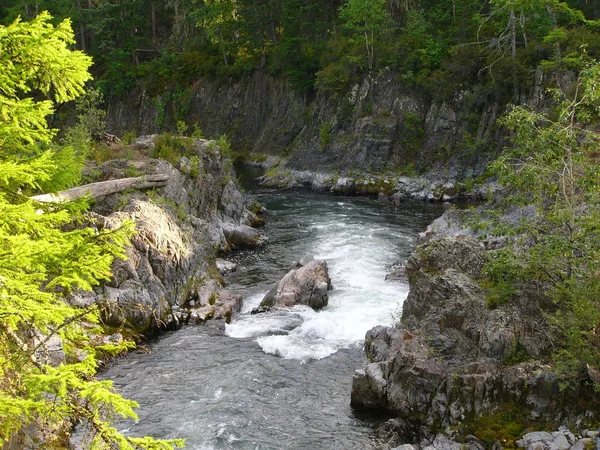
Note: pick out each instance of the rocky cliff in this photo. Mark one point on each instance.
(170, 275)
(455, 358)
(379, 125)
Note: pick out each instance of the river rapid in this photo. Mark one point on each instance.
(281, 380)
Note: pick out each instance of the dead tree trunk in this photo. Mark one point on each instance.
(103, 188)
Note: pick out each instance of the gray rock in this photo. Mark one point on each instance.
(344, 186)
(242, 236)
(307, 285)
(443, 363)
(441, 443)
(225, 267)
(405, 447)
(581, 444)
(561, 440)
(177, 230)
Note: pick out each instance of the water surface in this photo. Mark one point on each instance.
(281, 380)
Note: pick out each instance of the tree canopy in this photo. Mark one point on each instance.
(440, 45)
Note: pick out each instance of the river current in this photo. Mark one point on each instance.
(281, 380)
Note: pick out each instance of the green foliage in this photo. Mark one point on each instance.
(171, 148)
(553, 165)
(128, 137)
(325, 134)
(506, 424)
(443, 45)
(90, 116)
(182, 128)
(197, 132)
(224, 146)
(366, 19)
(46, 255)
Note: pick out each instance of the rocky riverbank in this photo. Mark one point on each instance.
(170, 275)
(459, 364)
(389, 188)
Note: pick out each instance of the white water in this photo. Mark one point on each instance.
(229, 392)
(358, 252)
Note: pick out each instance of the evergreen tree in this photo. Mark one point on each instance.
(44, 256)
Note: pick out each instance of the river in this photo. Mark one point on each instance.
(281, 380)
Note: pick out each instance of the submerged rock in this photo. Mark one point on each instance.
(307, 285)
(225, 267)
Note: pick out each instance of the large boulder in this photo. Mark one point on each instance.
(307, 285)
(242, 236)
(170, 262)
(449, 359)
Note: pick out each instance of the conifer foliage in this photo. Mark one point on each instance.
(48, 349)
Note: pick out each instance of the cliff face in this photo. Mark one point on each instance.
(170, 275)
(378, 125)
(453, 357)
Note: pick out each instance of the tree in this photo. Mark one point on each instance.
(553, 165)
(367, 18)
(45, 255)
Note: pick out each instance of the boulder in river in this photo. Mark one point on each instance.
(242, 236)
(307, 285)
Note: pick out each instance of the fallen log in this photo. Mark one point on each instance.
(103, 188)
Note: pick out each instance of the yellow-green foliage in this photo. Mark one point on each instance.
(44, 255)
(171, 148)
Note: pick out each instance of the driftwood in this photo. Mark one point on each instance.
(103, 188)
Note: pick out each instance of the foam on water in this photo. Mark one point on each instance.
(357, 251)
(224, 392)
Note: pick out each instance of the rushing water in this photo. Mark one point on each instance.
(281, 380)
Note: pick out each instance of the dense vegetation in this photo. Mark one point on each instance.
(553, 166)
(440, 45)
(49, 350)
(437, 46)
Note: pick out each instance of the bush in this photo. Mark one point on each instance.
(171, 148)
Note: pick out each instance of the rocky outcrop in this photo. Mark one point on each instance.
(455, 357)
(169, 275)
(391, 188)
(377, 125)
(307, 285)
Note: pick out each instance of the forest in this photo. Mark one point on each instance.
(52, 52)
(438, 46)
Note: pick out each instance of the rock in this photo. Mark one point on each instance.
(177, 230)
(581, 444)
(368, 387)
(441, 442)
(221, 305)
(225, 267)
(561, 440)
(443, 363)
(260, 310)
(307, 285)
(242, 236)
(344, 186)
(398, 273)
(398, 198)
(405, 447)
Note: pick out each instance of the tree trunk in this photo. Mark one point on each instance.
(513, 32)
(103, 188)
